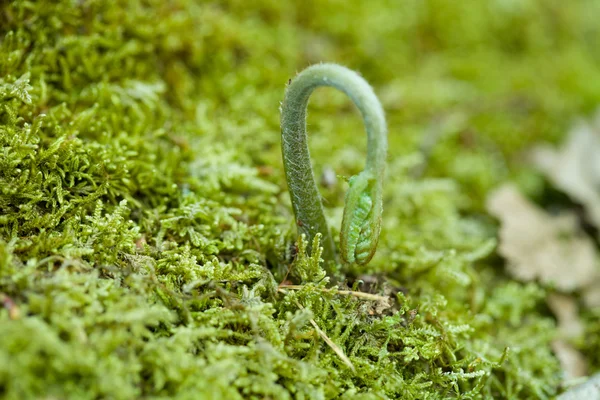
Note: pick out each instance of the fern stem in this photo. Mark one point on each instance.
(361, 224)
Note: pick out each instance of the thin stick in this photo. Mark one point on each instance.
(337, 349)
(360, 295)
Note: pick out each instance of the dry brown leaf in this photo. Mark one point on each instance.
(591, 294)
(564, 307)
(589, 390)
(575, 167)
(567, 313)
(540, 246)
(573, 363)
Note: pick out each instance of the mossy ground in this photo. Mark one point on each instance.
(145, 223)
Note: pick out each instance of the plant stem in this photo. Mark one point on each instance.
(361, 224)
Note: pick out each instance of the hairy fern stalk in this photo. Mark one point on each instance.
(361, 224)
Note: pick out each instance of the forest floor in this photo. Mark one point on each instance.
(148, 247)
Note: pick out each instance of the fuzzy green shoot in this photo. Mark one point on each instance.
(361, 224)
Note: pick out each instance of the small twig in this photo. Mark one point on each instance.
(360, 295)
(337, 349)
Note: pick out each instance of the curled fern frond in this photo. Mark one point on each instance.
(361, 224)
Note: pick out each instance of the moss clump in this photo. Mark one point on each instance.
(144, 225)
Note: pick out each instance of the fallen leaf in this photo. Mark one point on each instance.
(564, 307)
(591, 294)
(589, 390)
(567, 314)
(575, 167)
(540, 246)
(573, 363)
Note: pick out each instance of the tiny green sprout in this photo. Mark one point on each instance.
(361, 223)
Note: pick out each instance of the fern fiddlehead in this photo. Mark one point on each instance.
(361, 223)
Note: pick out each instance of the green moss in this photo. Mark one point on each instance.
(145, 226)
